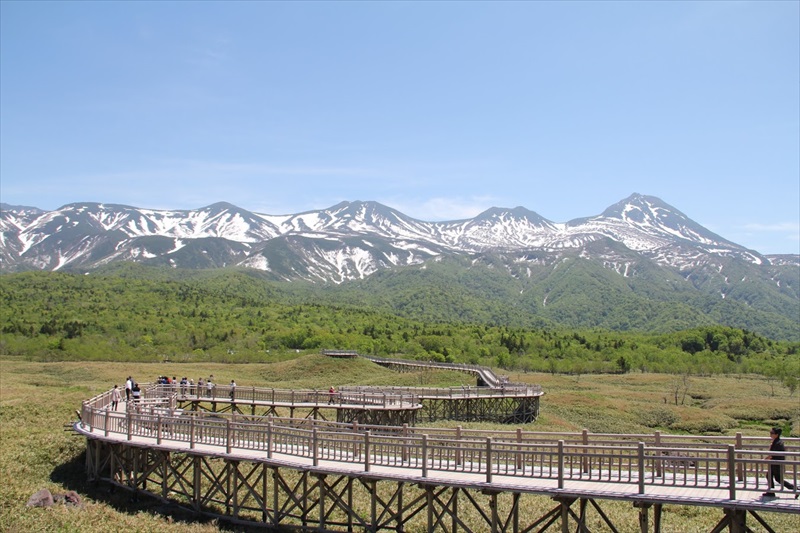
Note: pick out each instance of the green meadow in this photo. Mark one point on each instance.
(38, 401)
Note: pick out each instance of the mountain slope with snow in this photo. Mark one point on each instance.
(641, 249)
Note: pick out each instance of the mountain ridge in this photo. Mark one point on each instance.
(640, 255)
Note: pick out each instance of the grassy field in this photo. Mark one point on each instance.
(37, 401)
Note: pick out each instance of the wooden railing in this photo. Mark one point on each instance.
(485, 373)
(512, 389)
(732, 463)
(289, 397)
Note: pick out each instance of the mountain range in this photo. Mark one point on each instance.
(641, 247)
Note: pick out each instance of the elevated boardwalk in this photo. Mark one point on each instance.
(494, 399)
(316, 475)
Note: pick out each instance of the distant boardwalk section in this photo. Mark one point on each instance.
(493, 399)
(342, 354)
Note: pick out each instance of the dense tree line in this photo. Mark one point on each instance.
(237, 317)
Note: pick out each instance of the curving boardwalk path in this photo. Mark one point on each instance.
(311, 474)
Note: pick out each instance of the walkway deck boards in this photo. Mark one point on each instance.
(663, 494)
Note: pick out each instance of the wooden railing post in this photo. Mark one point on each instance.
(561, 464)
(585, 440)
(270, 437)
(314, 447)
(731, 472)
(228, 435)
(105, 424)
(366, 451)
(739, 464)
(518, 463)
(130, 425)
(404, 448)
(158, 429)
(658, 462)
(640, 455)
(191, 432)
(424, 455)
(489, 466)
(458, 445)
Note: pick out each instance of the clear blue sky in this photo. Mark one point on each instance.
(440, 110)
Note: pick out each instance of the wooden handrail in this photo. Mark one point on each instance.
(610, 458)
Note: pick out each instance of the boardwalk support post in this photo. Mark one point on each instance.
(644, 516)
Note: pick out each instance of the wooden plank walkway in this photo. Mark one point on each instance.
(301, 458)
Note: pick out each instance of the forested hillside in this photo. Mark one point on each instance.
(233, 316)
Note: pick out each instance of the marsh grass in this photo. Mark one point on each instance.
(37, 400)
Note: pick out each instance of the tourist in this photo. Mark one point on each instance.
(210, 387)
(116, 396)
(128, 387)
(331, 395)
(233, 389)
(776, 469)
(136, 392)
(201, 384)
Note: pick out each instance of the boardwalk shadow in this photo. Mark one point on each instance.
(72, 476)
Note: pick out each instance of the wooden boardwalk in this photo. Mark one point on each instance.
(302, 473)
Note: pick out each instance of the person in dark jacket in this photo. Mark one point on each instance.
(776, 469)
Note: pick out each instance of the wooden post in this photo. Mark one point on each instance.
(489, 466)
(130, 425)
(366, 451)
(585, 461)
(314, 447)
(404, 444)
(640, 454)
(105, 424)
(165, 457)
(191, 433)
(731, 472)
(234, 492)
(269, 437)
(424, 455)
(228, 433)
(561, 464)
(197, 463)
(659, 464)
(644, 516)
(158, 429)
(458, 446)
(739, 465)
(518, 463)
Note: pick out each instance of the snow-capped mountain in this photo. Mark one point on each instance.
(347, 241)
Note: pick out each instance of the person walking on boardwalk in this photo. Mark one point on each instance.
(233, 389)
(128, 388)
(776, 469)
(136, 391)
(331, 395)
(116, 396)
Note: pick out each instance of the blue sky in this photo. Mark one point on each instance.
(440, 110)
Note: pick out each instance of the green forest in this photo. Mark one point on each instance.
(151, 315)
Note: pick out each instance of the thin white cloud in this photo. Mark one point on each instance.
(443, 208)
(779, 227)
